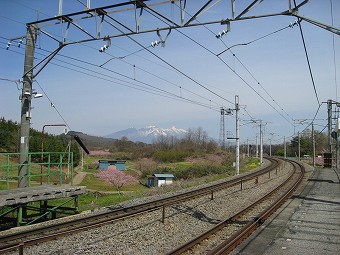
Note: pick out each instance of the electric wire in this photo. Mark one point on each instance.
(250, 42)
(238, 75)
(121, 58)
(155, 91)
(167, 63)
(265, 91)
(115, 73)
(22, 23)
(53, 105)
(218, 55)
(334, 55)
(178, 70)
(148, 72)
(28, 7)
(14, 81)
(307, 58)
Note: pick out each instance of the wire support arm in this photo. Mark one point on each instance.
(197, 13)
(45, 61)
(319, 24)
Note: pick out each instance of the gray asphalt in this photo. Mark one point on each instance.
(308, 223)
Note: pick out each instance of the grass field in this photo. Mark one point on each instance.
(101, 193)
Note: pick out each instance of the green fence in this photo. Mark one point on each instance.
(42, 168)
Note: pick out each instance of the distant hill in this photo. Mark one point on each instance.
(93, 142)
(148, 134)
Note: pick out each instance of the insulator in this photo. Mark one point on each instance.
(20, 42)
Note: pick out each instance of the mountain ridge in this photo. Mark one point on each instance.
(147, 134)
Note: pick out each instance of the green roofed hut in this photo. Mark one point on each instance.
(157, 180)
(118, 164)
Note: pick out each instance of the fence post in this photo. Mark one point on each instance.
(163, 214)
(29, 169)
(72, 169)
(61, 169)
(7, 171)
(49, 169)
(21, 249)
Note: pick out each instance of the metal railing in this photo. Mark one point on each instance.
(43, 168)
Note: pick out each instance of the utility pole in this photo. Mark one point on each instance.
(329, 111)
(26, 98)
(313, 140)
(248, 154)
(222, 128)
(261, 143)
(284, 147)
(257, 148)
(270, 144)
(299, 148)
(237, 108)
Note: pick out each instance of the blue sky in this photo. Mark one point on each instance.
(270, 75)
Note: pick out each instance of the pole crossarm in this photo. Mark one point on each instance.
(45, 61)
(166, 21)
(319, 24)
(247, 9)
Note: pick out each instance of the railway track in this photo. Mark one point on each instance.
(227, 235)
(18, 241)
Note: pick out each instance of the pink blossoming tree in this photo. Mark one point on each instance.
(116, 177)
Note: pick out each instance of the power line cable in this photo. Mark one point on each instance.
(121, 58)
(53, 105)
(155, 91)
(265, 91)
(109, 70)
(307, 58)
(14, 81)
(334, 57)
(217, 55)
(30, 8)
(250, 42)
(167, 63)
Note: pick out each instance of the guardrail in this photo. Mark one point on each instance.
(43, 168)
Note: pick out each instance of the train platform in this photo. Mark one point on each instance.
(308, 223)
(38, 193)
(18, 208)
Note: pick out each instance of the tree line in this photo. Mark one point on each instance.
(10, 138)
(166, 148)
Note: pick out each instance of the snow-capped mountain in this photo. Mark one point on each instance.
(148, 134)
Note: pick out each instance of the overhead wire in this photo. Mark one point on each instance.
(334, 55)
(250, 42)
(53, 105)
(236, 73)
(308, 62)
(120, 58)
(154, 90)
(228, 48)
(14, 81)
(167, 63)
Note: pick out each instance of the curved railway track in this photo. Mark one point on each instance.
(18, 241)
(224, 238)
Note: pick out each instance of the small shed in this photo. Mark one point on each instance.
(157, 180)
(119, 164)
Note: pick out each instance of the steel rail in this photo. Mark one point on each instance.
(230, 244)
(118, 214)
